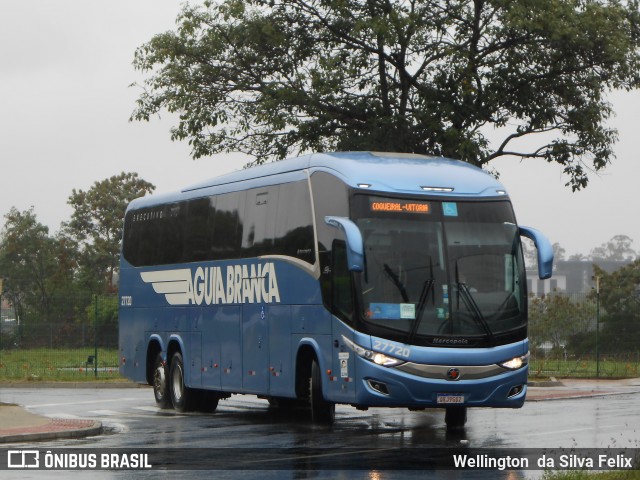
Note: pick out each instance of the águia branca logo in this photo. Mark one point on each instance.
(216, 285)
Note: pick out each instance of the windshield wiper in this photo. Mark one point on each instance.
(422, 302)
(396, 281)
(472, 306)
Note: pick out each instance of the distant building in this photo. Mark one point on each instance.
(570, 276)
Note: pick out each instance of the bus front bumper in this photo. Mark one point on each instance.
(471, 386)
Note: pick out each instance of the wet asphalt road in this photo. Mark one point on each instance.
(245, 431)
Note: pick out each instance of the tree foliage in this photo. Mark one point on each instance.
(617, 249)
(557, 318)
(97, 221)
(620, 303)
(34, 264)
(271, 78)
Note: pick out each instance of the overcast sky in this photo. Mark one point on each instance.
(65, 101)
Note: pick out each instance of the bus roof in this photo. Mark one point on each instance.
(381, 172)
(393, 172)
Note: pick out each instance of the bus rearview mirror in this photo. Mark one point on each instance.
(545, 251)
(353, 237)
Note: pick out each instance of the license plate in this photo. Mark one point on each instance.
(446, 398)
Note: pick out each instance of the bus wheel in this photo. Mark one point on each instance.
(322, 412)
(182, 397)
(455, 418)
(160, 384)
(207, 401)
(282, 403)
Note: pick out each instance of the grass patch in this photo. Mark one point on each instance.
(584, 368)
(584, 475)
(44, 364)
(59, 364)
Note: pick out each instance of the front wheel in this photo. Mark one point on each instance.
(455, 418)
(322, 411)
(160, 383)
(182, 397)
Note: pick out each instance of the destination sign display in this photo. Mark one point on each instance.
(399, 206)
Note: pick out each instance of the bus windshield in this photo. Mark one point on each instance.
(442, 273)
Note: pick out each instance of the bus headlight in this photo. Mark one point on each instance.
(516, 362)
(375, 357)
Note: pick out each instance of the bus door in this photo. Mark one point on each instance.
(342, 379)
(343, 375)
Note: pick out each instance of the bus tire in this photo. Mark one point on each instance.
(283, 403)
(161, 383)
(182, 397)
(455, 418)
(207, 401)
(322, 412)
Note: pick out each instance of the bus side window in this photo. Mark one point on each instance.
(342, 287)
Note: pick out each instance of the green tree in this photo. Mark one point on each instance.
(620, 306)
(35, 264)
(557, 318)
(617, 249)
(559, 252)
(97, 222)
(271, 78)
(106, 312)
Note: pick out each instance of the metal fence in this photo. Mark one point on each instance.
(570, 336)
(76, 337)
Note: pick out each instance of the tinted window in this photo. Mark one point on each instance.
(154, 235)
(172, 226)
(293, 232)
(329, 199)
(227, 226)
(275, 220)
(199, 229)
(260, 216)
(341, 283)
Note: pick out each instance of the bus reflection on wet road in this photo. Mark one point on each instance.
(246, 438)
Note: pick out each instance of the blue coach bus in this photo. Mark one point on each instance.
(362, 278)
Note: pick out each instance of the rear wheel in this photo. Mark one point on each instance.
(182, 397)
(207, 400)
(160, 383)
(455, 418)
(282, 404)
(322, 412)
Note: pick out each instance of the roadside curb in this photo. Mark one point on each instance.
(74, 385)
(56, 429)
(18, 425)
(572, 396)
(545, 384)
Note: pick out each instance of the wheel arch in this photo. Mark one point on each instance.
(175, 345)
(154, 347)
(308, 350)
